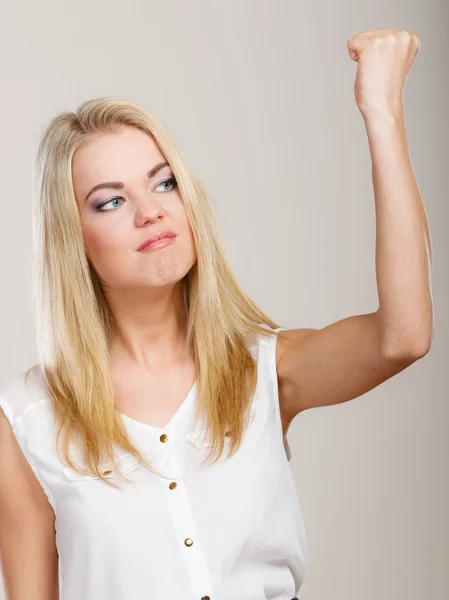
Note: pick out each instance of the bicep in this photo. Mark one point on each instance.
(321, 367)
(28, 555)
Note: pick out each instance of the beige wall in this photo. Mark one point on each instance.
(260, 96)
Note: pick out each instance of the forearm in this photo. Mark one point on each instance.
(403, 245)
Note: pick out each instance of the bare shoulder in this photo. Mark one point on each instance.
(27, 530)
(337, 363)
(286, 338)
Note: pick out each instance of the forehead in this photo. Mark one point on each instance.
(127, 153)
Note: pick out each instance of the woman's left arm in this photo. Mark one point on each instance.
(318, 367)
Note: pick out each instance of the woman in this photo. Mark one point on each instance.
(145, 455)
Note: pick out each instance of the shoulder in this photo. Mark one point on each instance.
(284, 341)
(23, 490)
(289, 341)
(20, 393)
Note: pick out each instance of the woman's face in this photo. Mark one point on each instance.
(117, 218)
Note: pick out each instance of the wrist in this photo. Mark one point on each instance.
(384, 120)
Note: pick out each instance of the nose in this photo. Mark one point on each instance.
(148, 208)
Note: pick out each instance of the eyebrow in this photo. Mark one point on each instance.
(118, 185)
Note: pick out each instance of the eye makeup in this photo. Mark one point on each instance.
(170, 180)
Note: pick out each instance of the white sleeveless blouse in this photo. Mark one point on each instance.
(229, 531)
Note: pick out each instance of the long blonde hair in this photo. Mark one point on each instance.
(73, 319)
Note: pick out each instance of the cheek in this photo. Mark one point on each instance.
(103, 242)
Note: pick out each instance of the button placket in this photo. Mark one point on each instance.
(184, 525)
(164, 458)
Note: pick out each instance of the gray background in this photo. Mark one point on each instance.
(259, 94)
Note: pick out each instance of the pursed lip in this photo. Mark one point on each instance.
(166, 233)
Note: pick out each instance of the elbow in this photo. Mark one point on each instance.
(413, 349)
(413, 343)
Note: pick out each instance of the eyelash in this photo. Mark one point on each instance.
(171, 180)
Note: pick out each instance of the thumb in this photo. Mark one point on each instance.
(356, 50)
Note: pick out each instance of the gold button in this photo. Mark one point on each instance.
(107, 472)
(228, 434)
(173, 485)
(164, 438)
(188, 542)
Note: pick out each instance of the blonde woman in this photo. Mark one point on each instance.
(145, 455)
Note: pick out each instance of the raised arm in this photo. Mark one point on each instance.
(28, 556)
(320, 367)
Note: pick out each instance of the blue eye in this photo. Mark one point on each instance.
(171, 181)
(100, 206)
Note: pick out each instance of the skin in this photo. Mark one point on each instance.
(148, 349)
(354, 355)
